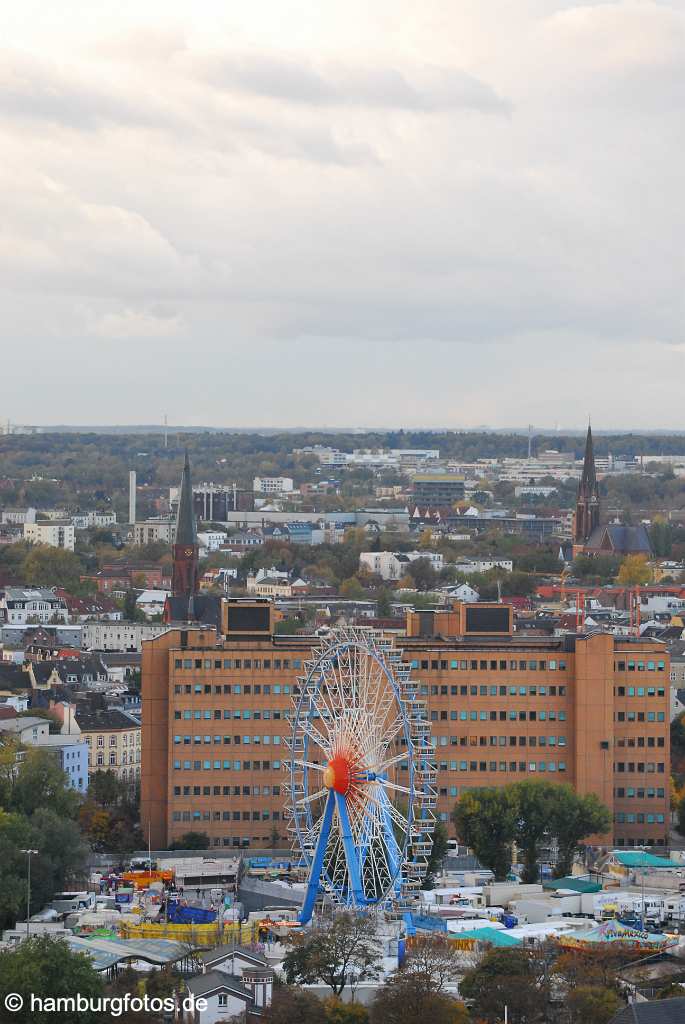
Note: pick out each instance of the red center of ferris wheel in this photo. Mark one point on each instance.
(338, 774)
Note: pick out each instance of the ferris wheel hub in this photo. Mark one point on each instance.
(338, 774)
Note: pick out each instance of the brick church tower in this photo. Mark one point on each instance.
(587, 513)
(184, 582)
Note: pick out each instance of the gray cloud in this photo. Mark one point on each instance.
(446, 221)
(301, 81)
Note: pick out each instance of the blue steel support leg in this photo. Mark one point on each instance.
(313, 886)
(392, 848)
(357, 891)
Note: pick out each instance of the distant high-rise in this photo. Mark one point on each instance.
(132, 496)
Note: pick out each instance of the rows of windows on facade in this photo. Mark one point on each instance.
(217, 689)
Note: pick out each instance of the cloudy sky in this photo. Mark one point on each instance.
(285, 212)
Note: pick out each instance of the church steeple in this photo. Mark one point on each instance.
(587, 501)
(185, 548)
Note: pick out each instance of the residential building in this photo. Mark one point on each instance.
(243, 541)
(151, 602)
(86, 672)
(113, 737)
(60, 635)
(234, 981)
(18, 516)
(272, 484)
(537, 528)
(118, 636)
(90, 520)
(462, 592)
(20, 606)
(154, 531)
(392, 565)
(270, 586)
(118, 577)
(95, 606)
(438, 488)
(590, 709)
(72, 754)
(537, 491)
(655, 1011)
(210, 541)
(56, 533)
(30, 730)
(468, 566)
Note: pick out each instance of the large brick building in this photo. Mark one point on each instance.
(591, 710)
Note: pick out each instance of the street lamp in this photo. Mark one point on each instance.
(28, 888)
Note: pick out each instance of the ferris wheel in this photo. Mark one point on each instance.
(361, 774)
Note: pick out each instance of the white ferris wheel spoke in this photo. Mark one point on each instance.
(312, 797)
(393, 785)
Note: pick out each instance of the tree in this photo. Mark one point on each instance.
(52, 567)
(191, 841)
(383, 607)
(62, 855)
(346, 949)
(437, 855)
(8, 764)
(338, 1012)
(485, 820)
(575, 817)
(510, 977)
(661, 536)
(404, 1000)
(351, 589)
(488, 820)
(41, 782)
(132, 612)
(106, 789)
(678, 736)
(535, 802)
(48, 969)
(423, 574)
(599, 567)
(96, 825)
(634, 571)
(680, 826)
(592, 1003)
(294, 1006)
(426, 539)
(433, 961)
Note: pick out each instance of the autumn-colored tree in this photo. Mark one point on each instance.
(291, 1004)
(592, 1003)
(95, 823)
(404, 1000)
(426, 539)
(351, 589)
(634, 571)
(46, 566)
(338, 1012)
(507, 977)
